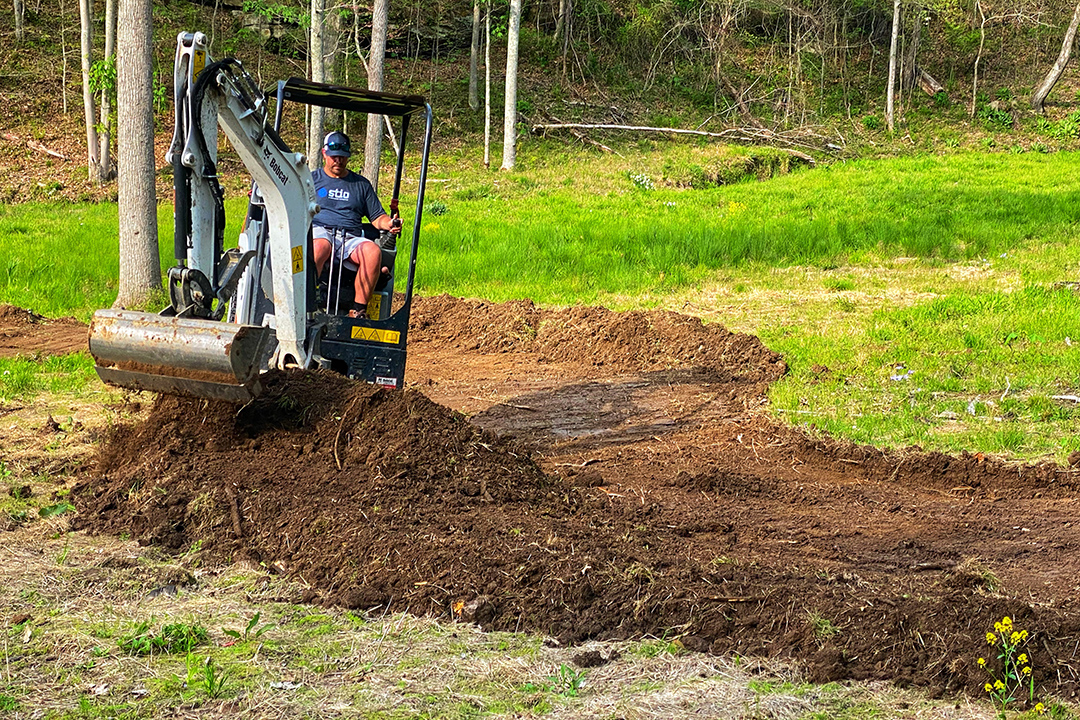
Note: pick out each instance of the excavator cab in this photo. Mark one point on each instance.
(235, 313)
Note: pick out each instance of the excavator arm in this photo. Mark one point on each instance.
(187, 348)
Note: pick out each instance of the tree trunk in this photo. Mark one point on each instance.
(20, 20)
(380, 18)
(317, 59)
(487, 87)
(140, 266)
(86, 37)
(560, 22)
(890, 91)
(978, 59)
(1039, 96)
(108, 172)
(566, 18)
(513, 32)
(333, 119)
(474, 58)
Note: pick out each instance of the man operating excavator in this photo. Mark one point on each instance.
(346, 198)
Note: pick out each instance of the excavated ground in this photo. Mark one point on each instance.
(584, 473)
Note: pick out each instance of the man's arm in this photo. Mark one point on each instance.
(385, 222)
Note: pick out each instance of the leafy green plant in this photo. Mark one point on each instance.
(58, 509)
(213, 678)
(173, 638)
(436, 207)
(250, 632)
(871, 122)
(566, 681)
(1011, 676)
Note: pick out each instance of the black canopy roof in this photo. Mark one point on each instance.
(352, 99)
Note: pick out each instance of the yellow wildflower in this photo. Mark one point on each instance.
(1015, 637)
(1022, 658)
(1040, 708)
(982, 661)
(989, 687)
(998, 626)
(1006, 622)
(1027, 670)
(991, 639)
(998, 685)
(1023, 634)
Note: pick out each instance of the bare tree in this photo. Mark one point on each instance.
(380, 19)
(510, 106)
(487, 86)
(104, 106)
(890, 91)
(140, 266)
(474, 57)
(20, 20)
(86, 36)
(317, 59)
(1038, 98)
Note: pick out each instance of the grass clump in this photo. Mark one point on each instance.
(172, 638)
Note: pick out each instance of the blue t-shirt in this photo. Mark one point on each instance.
(345, 202)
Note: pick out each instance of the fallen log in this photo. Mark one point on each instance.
(749, 135)
(927, 83)
(34, 145)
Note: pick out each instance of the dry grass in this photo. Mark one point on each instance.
(84, 593)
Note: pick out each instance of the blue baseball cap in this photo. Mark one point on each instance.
(336, 144)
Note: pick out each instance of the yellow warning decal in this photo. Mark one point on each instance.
(374, 305)
(297, 260)
(198, 62)
(390, 337)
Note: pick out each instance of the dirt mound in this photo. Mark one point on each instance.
(596, 337)
(644, 494)
(23, 332)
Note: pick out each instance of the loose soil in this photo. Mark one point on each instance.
(589, 474)
(23, 332)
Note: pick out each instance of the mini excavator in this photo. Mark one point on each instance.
(236, 313)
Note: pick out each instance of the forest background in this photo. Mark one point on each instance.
(806, 76)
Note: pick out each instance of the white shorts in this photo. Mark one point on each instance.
(343, 242)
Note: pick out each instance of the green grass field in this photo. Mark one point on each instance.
(922, 300)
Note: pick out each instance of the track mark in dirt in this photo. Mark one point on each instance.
(613, 475)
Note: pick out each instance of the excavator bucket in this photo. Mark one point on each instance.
(180, 356)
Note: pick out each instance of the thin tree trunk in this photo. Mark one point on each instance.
(63, 60)
(140, 266)
(566, 21)
(380, 18)
(474, 58)
(20, 20)
(487, 87)
(332, 117)
(890, 91)
(513, 33)
(318, 74)
(86, 37)
(978, 59)
(105, 109)
(1038, 98)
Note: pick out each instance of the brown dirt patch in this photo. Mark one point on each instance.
(23, 332)
(610, 475)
